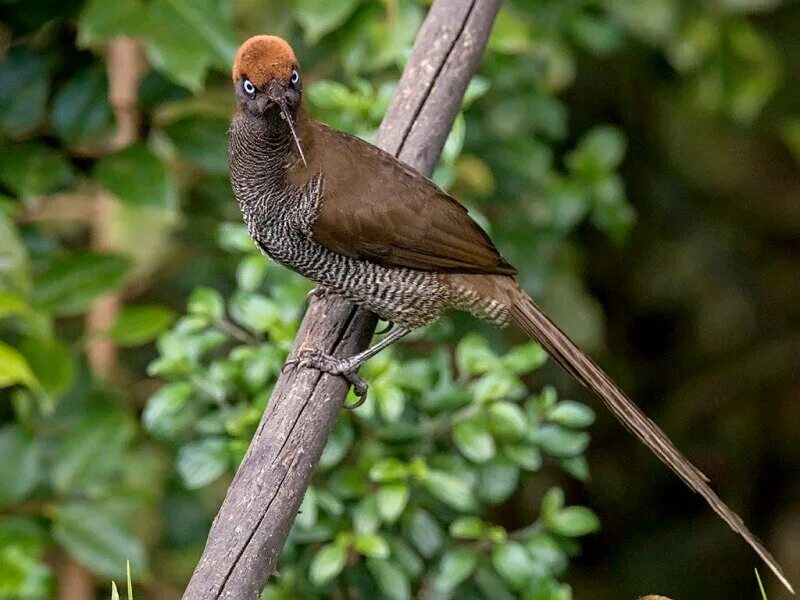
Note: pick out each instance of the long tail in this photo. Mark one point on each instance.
(540, 328)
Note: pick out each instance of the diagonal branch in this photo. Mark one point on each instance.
(247, 535)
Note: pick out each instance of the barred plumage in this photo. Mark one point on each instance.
(280, 217)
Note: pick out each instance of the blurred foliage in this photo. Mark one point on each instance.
(427, 489)
(436, 446)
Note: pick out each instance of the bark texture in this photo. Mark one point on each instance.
(251, 527)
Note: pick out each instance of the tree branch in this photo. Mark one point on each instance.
(247, 535)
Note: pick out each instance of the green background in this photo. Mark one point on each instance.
(637, 160)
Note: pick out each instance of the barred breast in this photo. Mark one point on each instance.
(280, 218)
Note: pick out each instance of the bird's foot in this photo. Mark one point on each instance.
(347, 368)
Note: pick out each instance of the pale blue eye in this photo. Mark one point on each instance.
(249, 87)
(295, 78)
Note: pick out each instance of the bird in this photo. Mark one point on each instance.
(361, 224)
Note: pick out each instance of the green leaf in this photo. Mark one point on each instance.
(94, 536)
(137, 325)
(371, 544)
(12, 305)
(339, 442)
(507, 420)
(572, 521)
(568, 203)
(576, 466)
(185, 37)
(329, 503)
(456, 565)
(52, 364)
(169, 413)
(100, 21)
(424, 532)
(527, 457)
(492, 586)
(474, 440)
(250, 273)
(348, 482)
(559, 441)
(23, 571)
(92, 451)
(496, 385)
(525, 358)
(546, 551)
(14, 369)
(514, 564)
(365, 515)
(388, 469)
(24, 88)
(137, 177)
(15, 274)
(497, 481)
(390, 400)
(473, 355)
(256, 312)
(207, 302)
(450, 489)
(552, 502)
(318, 17)
(327, 563)
(392, 499)
(391, 580)
(31, 169)
(234, 238)
(201, 140)
(612, 213)
(70, 282)
(597, 34)
(308, 513)
(571, 414)
(22, 464)
(405, 556)
(468, 528)
(377, 41)
(200, 463)
(600, 150)
(114, 591)
(81, 113)
(510, 34)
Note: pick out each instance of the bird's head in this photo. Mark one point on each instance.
(266, 76)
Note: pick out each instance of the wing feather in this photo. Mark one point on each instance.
(376, 208)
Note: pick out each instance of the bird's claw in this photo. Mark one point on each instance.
(314, 358)
(387, 329)
(318, 292)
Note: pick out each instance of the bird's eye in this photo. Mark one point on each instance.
(295, 79)
(249, 87)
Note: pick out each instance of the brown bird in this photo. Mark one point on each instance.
(361, 224)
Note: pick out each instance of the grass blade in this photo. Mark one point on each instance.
(760, 585)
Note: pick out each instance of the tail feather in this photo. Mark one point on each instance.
(540, 328)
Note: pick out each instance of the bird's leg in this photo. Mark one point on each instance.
(346, 367)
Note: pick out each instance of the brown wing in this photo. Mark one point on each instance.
(376, 208)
